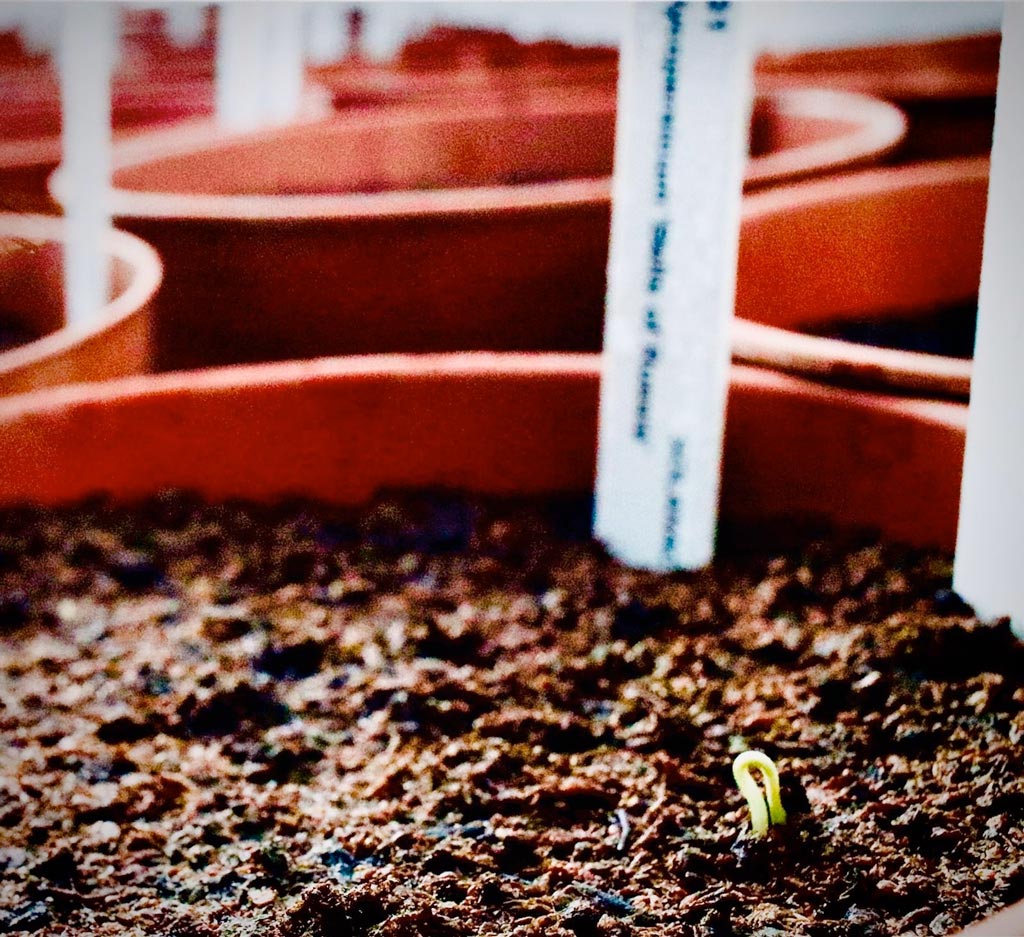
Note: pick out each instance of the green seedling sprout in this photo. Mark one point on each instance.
(765, 807)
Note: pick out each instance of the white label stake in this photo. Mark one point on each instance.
(241, 62)
(989, 568)
(325, 32)
(87, 55)
(685, 93)
(285, 64)
(185, 23)
(260, 59)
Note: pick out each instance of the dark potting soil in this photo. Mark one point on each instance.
(445, 716)
(948, 330)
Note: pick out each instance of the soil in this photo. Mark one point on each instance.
(447, 716)
(947, 330)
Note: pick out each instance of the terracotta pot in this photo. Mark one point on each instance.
(810, 131)
(155, 84)
(32, 303)
(421, 233)
(30, 122)
(359, 84)
(448, 47)
(1007, 923)
(341, 428)
(147, 53)
(453, 65)
(879, 246)
(947, 87)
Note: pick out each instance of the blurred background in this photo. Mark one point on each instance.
(288, 181)
(416, 177)
(780, 24)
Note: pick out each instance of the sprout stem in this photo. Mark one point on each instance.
(765, 807)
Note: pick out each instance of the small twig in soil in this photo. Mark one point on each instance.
(606, 900)
(622, 819)
(764, 808)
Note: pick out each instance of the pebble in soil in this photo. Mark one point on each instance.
(459, 717)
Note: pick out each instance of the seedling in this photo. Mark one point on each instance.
(765, 809)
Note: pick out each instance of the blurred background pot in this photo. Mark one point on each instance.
(454, 66)
(340, 429)
(418, 233)
(887, 256)
(30, 125)
(156, 83)
(30, 143)
(947, 87)
(36, 348)
(149, 53)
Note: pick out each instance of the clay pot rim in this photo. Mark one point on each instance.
(854, 185)
(878, 128)
(444, 366)
(899, 371)
(45, 151)
(345, 76)
(146, 276)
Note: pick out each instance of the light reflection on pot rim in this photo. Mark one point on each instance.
(875, 128)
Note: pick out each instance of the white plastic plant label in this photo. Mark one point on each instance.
(260, 61)
(685, 92)
(989, 568)
(185, 23)
(86, 58)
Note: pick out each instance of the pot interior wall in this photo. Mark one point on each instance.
(31, 290)
(359, 286)
(28, 120)
(961, 127)
(863, 252)
(419, 150)
(772, 130)
(32, 286)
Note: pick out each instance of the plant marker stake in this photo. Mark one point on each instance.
(241, 64)
(685, 93)
(259, 63)
(989, 567)
(87, 51)
(40, 28)
(185, 23)
(285, 61)
(326, 36)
